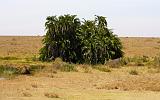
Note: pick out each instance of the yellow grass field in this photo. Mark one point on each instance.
(20, 46)
(85, 84)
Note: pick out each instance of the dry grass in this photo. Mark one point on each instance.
(51, 95)
(86, 84)
(26, 94)
(19, 46)
(133, 72)
(141, 46)
(28, 46)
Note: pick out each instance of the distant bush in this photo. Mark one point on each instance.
(102, 68)
(156, 62)
(63, 66)
(36, 68)
(133, 72)
(31, 68)
(68, 68)
(136, 60)
(35, 58)
(124, 61)
(7, 70)
(27, 94)
(87, 70)
(51, 95)
(8, 58)
(13, 39)
(11, 70)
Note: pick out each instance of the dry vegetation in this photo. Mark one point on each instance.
(29, 46)
(137, 79)
(20, 47)
(141, 46)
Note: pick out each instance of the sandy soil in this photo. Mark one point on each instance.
(116, 85)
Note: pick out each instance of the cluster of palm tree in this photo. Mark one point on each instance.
(75, 41)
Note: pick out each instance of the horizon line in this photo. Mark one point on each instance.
(43, 35)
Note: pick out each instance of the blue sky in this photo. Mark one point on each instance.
(125, 17)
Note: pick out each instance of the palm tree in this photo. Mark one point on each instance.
(74, 41)
(60, 39)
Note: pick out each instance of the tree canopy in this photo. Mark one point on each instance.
(75, 41)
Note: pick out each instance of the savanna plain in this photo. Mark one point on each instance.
(136, 76)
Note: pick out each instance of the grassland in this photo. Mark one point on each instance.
(134, 81)
(28, 46)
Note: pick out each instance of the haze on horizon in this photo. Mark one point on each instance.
(136, 18)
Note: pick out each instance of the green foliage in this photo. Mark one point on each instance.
(74, 41)
(6, 70)
(61, 39)
(99, 43)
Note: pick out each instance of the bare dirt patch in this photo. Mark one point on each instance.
(82, 86)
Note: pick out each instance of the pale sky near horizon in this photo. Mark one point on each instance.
(125, 17)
